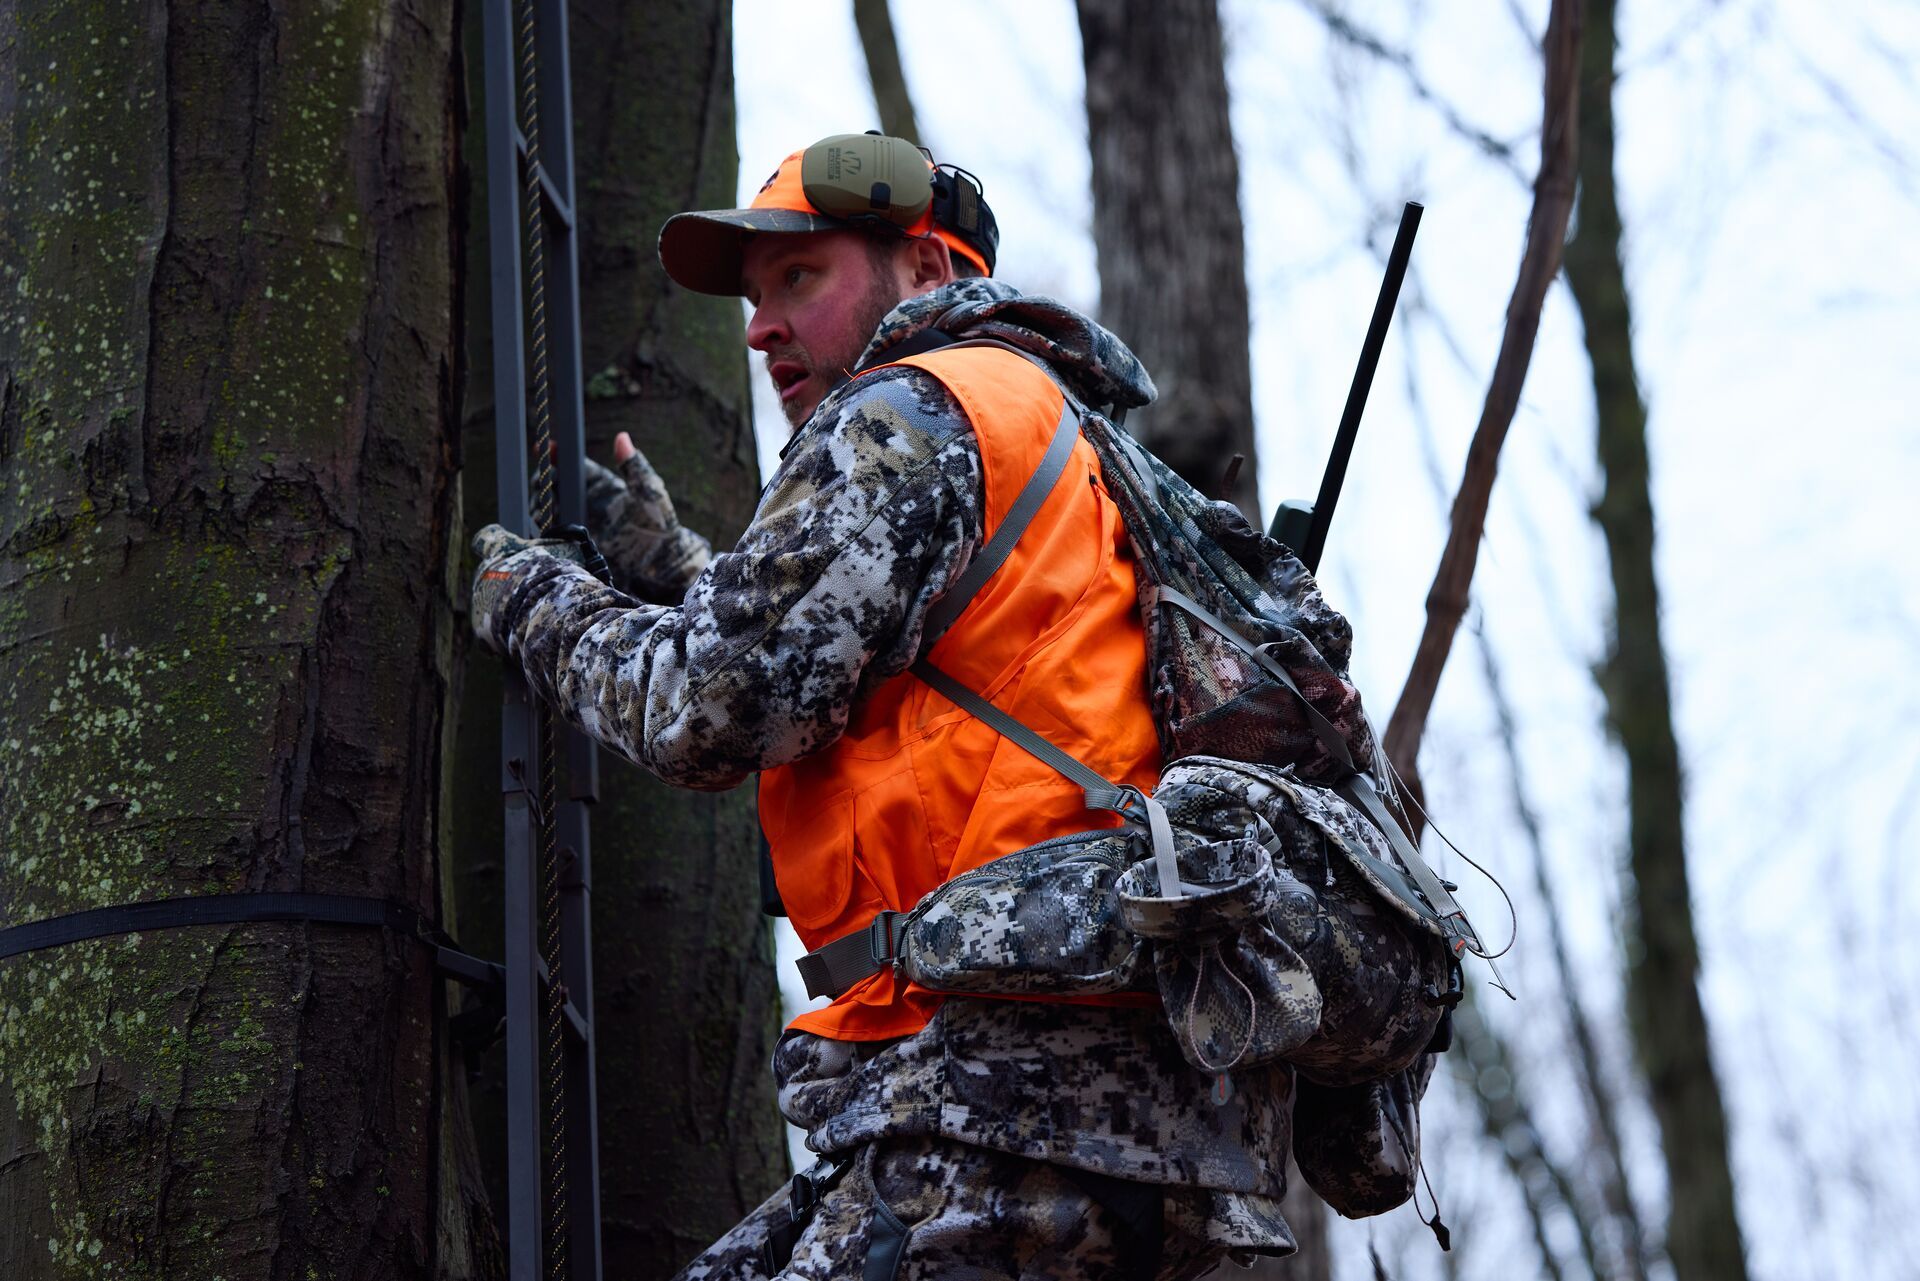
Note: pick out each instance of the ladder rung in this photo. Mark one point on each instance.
(556, 207)
(576, 1023)
(470, 970)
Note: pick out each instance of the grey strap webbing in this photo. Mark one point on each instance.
(1101, 794)
(1026, 505)
(1357, 788)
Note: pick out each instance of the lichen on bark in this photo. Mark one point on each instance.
(226, 419)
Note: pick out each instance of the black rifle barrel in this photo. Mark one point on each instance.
(1316, 540)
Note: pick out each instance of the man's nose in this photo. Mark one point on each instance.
(767, 329)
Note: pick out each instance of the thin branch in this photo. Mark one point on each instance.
(1546, 236)
(1507, 1121)
(1349, 32)
(1615, 1185)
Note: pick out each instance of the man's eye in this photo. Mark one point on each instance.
(794, 274)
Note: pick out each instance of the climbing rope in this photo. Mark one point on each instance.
(553, 1075)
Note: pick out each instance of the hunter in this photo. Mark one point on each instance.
(956, 1136)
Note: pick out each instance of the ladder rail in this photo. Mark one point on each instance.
(508, 159)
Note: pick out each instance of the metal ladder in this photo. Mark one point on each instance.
(553, 1169)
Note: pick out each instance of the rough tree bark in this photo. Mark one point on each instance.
(875, 24)
(1166, 222)
(1663, 967)
(228, 403)
(1173, 285)
(685, 999)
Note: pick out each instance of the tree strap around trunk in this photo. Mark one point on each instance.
(238, 909)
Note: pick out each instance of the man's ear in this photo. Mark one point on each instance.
(929, 265)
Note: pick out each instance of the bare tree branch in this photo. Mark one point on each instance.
(1615, 1185)
(1546, 236)
(1507, 1120)
(1348, 31)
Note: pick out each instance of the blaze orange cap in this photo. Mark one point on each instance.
(701, 250)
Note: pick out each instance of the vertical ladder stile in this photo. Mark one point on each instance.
(519, 750)
(524, 1220)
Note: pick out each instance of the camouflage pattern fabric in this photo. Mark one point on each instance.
(1358, 1146)
(976, 1213)
(1035, 922)
(630, 515)
(1335, 955)
(1210, 697)
(1096, 365)
(1282, 945)
(1102, 1088)
(875, 509)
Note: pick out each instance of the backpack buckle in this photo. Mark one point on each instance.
(1130, 804)
(882, 940)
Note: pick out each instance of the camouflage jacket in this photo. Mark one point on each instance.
(876, 507)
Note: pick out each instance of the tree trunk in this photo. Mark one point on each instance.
(1663, 993)
(685, 999)
(875, 23)
(1173, 286)
(1166, 223)
(228, 397)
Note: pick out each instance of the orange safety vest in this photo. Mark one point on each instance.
(917, 791)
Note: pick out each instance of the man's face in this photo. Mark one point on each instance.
(816, 298)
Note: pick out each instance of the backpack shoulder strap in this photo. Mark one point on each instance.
(1025, 506)
(1102, 793)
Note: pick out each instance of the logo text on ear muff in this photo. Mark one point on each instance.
(769, 181)
(842, 162)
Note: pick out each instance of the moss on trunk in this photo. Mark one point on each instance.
(225, 500)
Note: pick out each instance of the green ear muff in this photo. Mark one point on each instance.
(857, 175)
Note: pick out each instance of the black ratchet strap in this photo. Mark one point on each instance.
(240, 909)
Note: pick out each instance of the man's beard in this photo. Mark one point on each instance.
(882, 296)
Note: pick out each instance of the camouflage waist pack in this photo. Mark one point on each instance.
(1283, 941)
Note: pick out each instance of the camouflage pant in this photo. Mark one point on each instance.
(961, 1212)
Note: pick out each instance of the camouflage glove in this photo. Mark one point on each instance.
(631, 517)
(508, 562)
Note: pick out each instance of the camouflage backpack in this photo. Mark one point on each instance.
(1263, 889)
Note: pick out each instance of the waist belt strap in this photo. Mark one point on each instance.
(851, 957)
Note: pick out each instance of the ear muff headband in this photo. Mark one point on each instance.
(869, 177)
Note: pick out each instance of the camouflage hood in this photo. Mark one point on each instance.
(1094, 363)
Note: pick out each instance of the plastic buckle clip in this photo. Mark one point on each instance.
(1132, 804)
(881, 939)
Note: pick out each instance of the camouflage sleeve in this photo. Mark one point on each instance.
(875, 510)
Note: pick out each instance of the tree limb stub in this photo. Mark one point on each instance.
(1546, 235)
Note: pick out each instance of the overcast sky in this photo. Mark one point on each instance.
(1770, 183)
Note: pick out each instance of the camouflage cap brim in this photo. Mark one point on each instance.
(702, 250)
